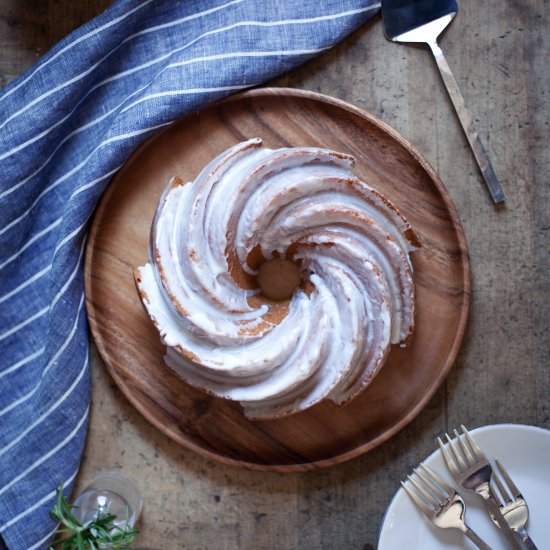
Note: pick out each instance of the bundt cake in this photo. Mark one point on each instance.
(252, 205)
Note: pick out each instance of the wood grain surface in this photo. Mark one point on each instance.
(323, 435)
(502, 374)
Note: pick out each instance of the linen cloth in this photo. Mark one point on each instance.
(66, 126)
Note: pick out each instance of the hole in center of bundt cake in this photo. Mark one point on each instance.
(278, 279)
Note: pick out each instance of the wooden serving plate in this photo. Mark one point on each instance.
(215, 428)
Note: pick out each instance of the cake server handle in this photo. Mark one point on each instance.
(497, 194)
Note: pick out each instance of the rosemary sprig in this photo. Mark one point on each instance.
(100, 532)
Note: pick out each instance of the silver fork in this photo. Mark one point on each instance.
(472, 471)
(439, 502)
(513, 505)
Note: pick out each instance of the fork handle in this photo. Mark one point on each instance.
(476, 539)
(529, 544)
(465, 118)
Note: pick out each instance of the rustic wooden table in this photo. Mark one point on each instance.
(498, 51)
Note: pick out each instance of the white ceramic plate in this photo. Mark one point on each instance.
(524, 451)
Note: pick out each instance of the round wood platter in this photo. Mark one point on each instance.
(215, 428)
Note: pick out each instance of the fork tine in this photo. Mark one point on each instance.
(511, 485)
(428, 498)
(458, 459)
(435, 490)
(505, 497)
(447, 457)
(435, 477)
(478, 453)
(417, 500)
(467, 453)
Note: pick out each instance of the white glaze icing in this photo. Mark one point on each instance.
(350, 243)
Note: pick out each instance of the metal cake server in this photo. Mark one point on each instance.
(422, 21)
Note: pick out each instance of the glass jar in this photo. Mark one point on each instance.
(110, 493)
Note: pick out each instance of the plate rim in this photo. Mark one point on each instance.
(340, 458)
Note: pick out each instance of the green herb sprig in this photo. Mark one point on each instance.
(100, 532)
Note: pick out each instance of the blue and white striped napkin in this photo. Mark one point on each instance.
(66, 126)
